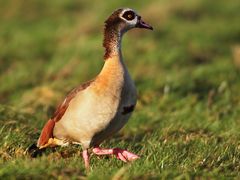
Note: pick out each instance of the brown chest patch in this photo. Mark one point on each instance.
(128, 109)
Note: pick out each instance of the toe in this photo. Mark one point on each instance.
(121, 157)
(130, 156)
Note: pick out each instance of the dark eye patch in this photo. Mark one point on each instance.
(129, 15)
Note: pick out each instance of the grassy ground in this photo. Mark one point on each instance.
(187, 121)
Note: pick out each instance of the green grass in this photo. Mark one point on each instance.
(187, 121)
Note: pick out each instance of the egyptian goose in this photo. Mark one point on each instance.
(97, 109)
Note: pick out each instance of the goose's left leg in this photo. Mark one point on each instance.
(121, 154)
(86, 158)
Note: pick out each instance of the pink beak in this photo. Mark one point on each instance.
(142, 24)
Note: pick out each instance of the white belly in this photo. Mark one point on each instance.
(86, 115)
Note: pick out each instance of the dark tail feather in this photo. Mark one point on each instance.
(47, 133)
(33, 151)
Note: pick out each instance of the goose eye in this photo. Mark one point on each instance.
(129, 15)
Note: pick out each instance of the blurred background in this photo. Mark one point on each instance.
(47, 48)
(186, 70)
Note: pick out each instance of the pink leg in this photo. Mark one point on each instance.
(119, 153)
(86, 158)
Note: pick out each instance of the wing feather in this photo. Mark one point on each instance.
(47, 131)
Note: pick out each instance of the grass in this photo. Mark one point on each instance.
(187, 121)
